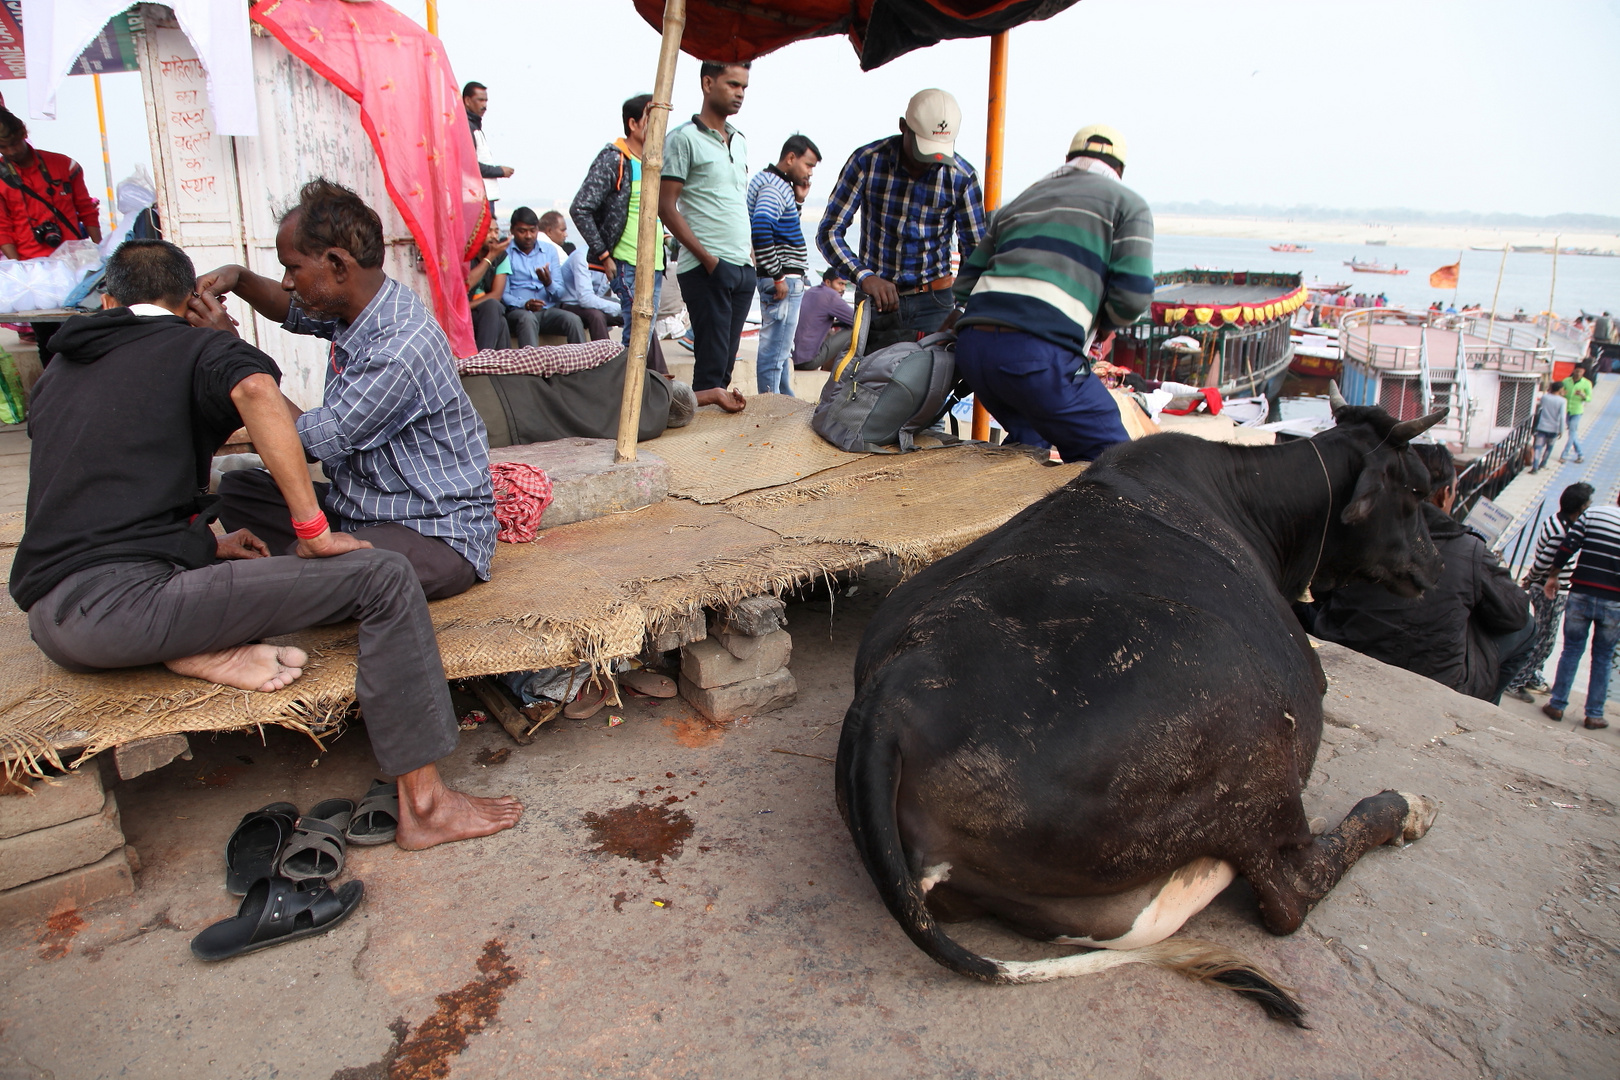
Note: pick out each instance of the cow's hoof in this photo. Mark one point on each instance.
(1421, 810)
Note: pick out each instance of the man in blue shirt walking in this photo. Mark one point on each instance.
(534, 285)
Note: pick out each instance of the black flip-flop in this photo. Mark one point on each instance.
(317, 849)
(376, 819)
(254, 848)
(276, 911)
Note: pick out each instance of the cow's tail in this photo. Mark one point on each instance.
(869, 763)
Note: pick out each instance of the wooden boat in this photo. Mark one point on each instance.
(1373, 268)
(1292, 249)
(1317, 286)
(1317, 362)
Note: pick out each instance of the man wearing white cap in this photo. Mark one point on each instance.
(1065, 263)
(912, 191)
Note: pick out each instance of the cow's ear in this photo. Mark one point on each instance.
(1370, 487)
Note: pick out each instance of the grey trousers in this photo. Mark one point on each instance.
(250, 499)
(127, 614)
(527, 326)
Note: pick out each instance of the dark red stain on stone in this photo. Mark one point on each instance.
(426, 1053)
(60, 930)
(641, 832)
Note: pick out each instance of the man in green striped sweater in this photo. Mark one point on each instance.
(1067, 261)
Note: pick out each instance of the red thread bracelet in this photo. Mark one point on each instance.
(309, 530)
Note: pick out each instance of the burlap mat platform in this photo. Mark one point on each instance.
(587, 592)
(719, 455)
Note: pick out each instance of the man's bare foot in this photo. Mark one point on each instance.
(430, 813)
(729, 400)
(266, 668)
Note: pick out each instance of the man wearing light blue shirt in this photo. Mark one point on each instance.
(586, 293)
(534, 287)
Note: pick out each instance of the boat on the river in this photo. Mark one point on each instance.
(1292, 249)
(1373, 267)
(1227, 328)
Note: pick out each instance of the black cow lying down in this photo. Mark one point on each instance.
(1089, 721)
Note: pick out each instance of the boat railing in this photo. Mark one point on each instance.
(1506, 351)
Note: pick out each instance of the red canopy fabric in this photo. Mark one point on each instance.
(880, 30)
(410, 106)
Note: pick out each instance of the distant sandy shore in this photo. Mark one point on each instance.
(1279, 231)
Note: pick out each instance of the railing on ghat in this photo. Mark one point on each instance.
(1488, 474)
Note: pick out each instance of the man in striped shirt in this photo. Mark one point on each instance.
(1593, 608)
(1069, 259)
(912, 191)
(1574, 502)
(781, 258)
(405, 450)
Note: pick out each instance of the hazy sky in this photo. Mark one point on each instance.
(1487, 105)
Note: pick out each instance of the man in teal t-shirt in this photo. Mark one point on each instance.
(1578, 390)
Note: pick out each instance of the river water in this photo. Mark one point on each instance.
(1585, 282)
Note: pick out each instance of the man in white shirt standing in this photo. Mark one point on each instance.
(475, 97)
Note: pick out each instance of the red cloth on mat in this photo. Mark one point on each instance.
(410, 106)
(522, 493)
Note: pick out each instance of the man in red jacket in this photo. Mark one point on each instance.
(43, 200)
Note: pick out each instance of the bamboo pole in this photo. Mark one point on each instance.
(433, 17)
(1552, 290)
(106, 155)
(649, 233)
(995, 141)
(1490, 331)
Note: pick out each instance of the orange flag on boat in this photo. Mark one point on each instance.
(1445, 277)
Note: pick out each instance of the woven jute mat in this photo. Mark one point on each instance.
(582, 593)
(720, 455)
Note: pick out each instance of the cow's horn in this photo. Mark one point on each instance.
(1335, 399)
(1407, 430)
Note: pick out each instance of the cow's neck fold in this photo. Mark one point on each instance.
(1292, 493)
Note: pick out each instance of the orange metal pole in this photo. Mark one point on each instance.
(106, 155)
(433, 17)
(995, 141)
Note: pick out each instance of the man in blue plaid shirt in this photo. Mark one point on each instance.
(912, 191)
(405, 450)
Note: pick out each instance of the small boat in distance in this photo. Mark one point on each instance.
(1373, 267)
(1292, 249)
(1377, 243)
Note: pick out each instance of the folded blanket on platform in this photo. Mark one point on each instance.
(540, 359)
(522, 493)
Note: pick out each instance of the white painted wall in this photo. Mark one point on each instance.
(220, 196)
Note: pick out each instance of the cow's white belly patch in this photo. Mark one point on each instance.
(1188, 891)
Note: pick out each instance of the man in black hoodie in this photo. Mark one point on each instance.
(1472, 631)
(118, 566)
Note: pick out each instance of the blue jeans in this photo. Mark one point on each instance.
(779, 321)
(624, 287)
(1543, 451)
(1037, 393)
(1574, 438)
(1581, 613)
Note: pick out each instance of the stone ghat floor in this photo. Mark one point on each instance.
(758, 947)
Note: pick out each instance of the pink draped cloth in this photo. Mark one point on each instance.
(410, 106)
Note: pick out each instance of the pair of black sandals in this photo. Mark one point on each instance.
(282, 863)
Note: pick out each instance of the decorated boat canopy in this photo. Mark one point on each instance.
(1217, 298)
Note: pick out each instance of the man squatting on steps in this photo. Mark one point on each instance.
(118, 566)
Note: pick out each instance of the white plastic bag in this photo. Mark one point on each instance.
(36, 284)
(134, 193)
